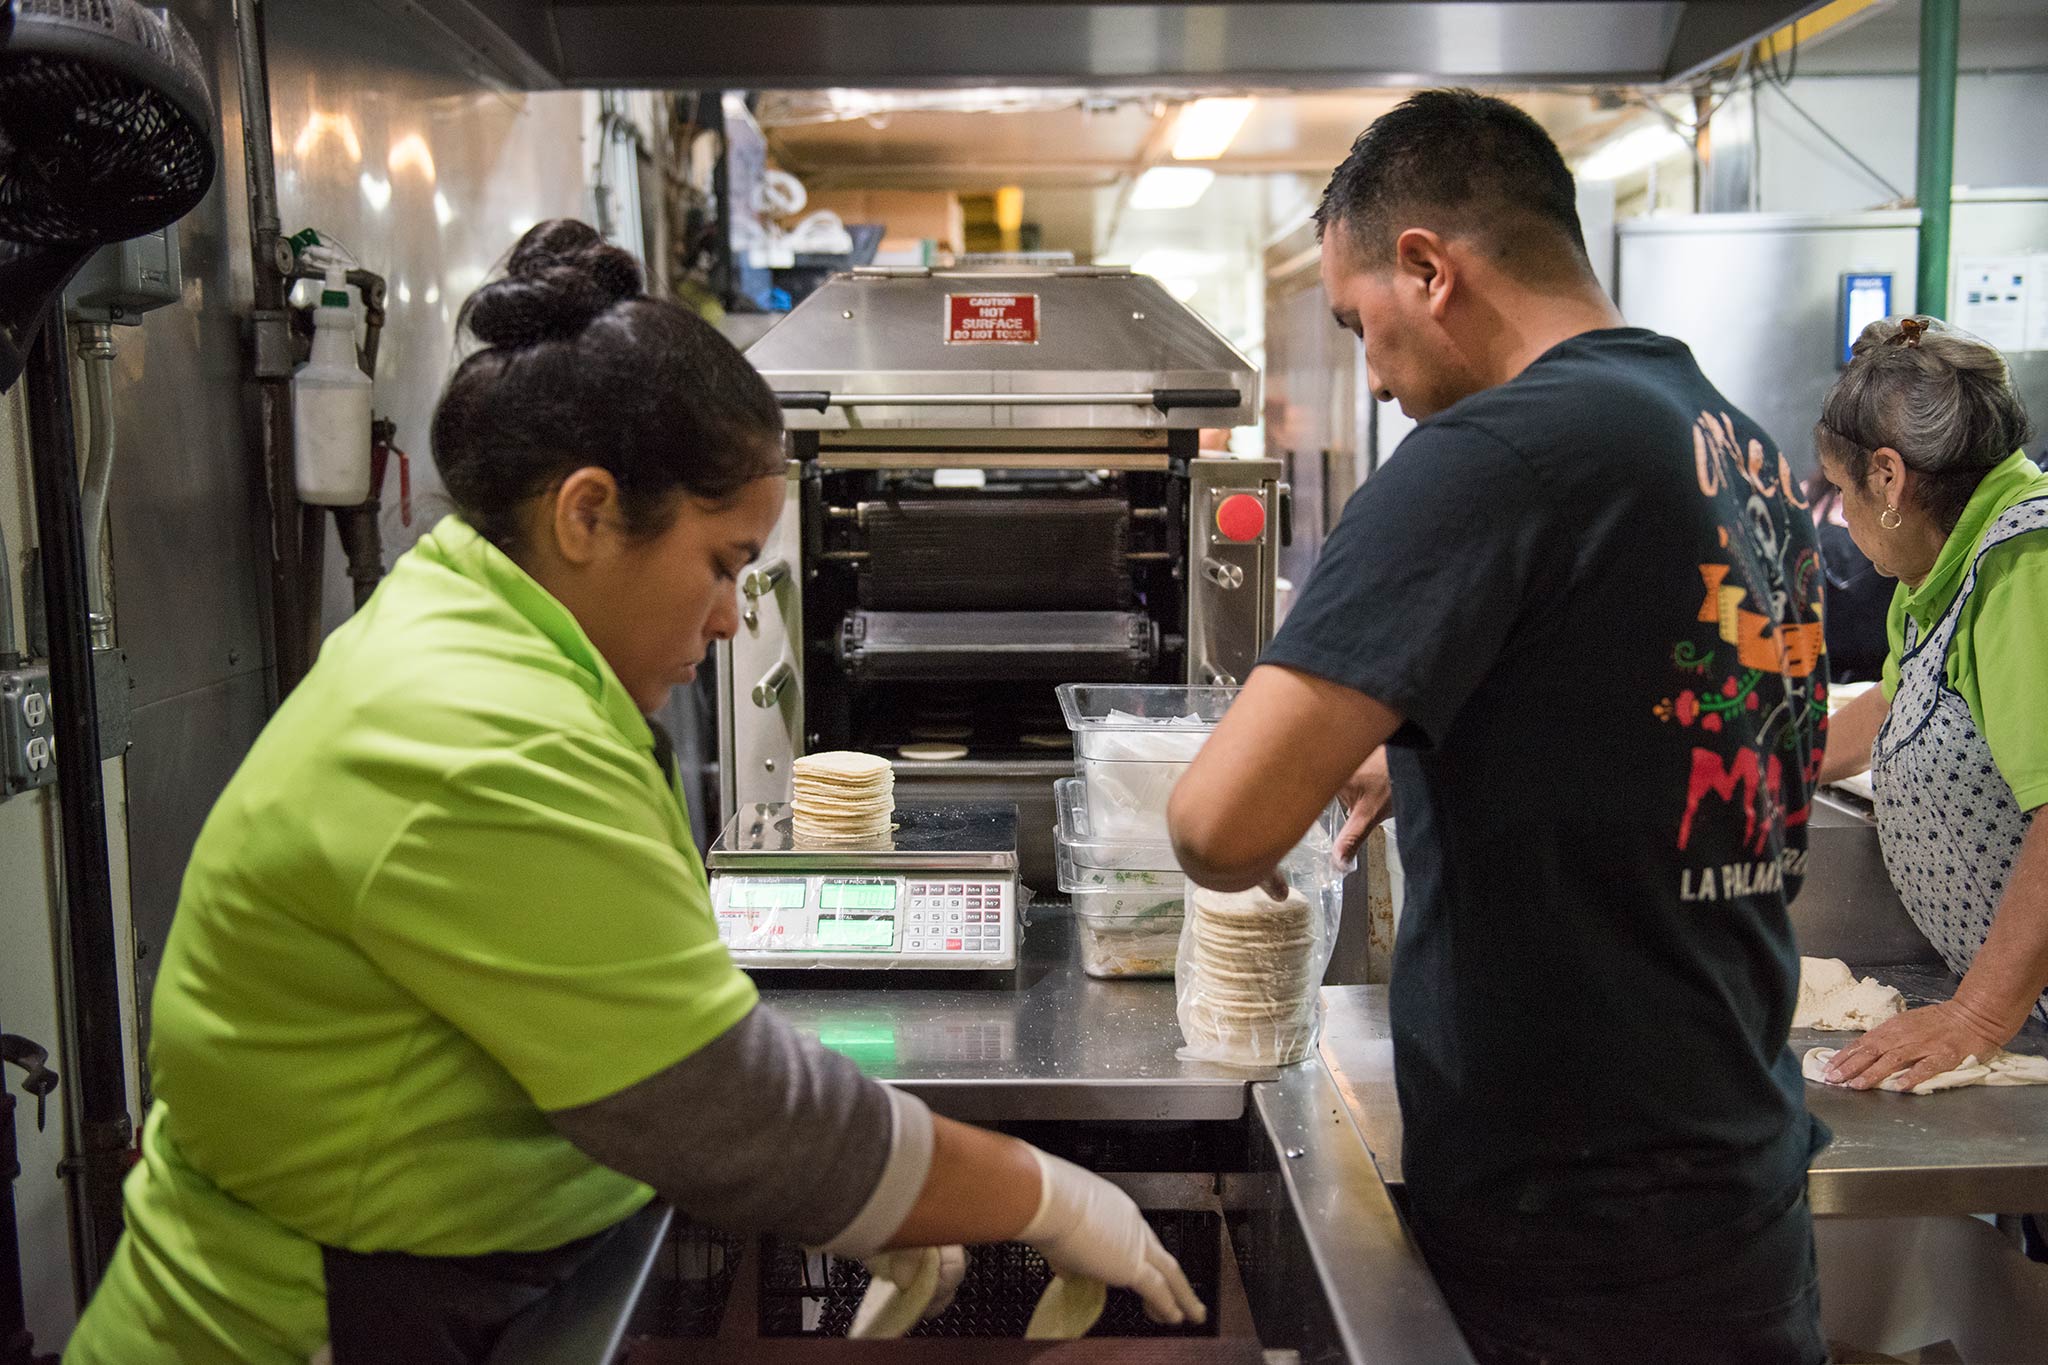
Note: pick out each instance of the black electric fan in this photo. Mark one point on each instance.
(106, 133)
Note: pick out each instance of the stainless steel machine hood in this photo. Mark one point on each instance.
(740, 45)
(1094, 347)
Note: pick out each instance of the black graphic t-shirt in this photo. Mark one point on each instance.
(1594, 595)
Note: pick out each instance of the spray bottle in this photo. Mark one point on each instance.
(331, 405)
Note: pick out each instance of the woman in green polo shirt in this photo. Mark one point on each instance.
(1922, 433)
(444, 1001)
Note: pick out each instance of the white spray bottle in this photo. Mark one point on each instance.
(331, 406)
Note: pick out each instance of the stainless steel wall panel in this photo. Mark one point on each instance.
(186, 748)
(1754, 295)
(424, 173)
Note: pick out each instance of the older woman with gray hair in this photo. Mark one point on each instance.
(1922, 435)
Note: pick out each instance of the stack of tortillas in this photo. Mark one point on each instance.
(1246, 994)
(842, 799)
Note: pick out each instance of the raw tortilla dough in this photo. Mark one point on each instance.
(903, 1285)
(2004, 1068)
(1067, 1309)
(890, 1308)
(933, 753)
(1833, 1000)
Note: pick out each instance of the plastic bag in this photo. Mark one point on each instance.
(1130, 772)
(1248, 981)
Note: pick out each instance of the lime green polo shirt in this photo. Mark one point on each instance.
(448, 889)
(1998, 661)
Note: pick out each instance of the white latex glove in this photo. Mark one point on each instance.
(906, 1286)
(1086, 1226)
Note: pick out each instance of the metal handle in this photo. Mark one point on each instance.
(1229, 577)
(768, 691)
(1163, 399)
(1216, 677)
(764, 578)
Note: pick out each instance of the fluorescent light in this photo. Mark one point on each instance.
(1206, 127)
(1635, 150)
(1179, 270)
(1171, 187)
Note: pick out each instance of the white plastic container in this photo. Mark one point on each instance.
(331, 407)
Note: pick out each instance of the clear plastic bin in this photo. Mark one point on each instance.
(1124, 935)
(1131, 745)
(1091, 857)
(1129, 898)
(1098, 713)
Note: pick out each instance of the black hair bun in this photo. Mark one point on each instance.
(561, 276)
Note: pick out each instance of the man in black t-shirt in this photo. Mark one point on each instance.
(1576, 619)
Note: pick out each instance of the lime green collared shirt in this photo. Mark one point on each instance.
(1998, 661)
(448, 889)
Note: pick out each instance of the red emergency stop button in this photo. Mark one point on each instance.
(1242, 517)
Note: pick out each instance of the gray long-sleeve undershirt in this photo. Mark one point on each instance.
(763, 1129)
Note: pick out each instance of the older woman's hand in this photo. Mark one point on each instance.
(1921, 1043)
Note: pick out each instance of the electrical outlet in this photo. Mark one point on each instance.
(28, 748)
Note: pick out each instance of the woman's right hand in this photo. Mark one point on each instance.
(1368, 799)
(1087, 1226)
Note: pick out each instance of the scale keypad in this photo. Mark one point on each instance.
(964, 916)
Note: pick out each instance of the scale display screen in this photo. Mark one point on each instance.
(767, 896)
(857, 896)
(866, 931)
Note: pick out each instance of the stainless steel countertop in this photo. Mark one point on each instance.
(1977, 1150)
(1046, 1041)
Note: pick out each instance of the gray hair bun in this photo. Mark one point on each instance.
(560, 278)
(1942, 397)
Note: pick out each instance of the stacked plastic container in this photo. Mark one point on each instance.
(1131, 744)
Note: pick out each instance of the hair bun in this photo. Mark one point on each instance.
(561, 276)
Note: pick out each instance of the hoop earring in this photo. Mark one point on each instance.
(1890, 519)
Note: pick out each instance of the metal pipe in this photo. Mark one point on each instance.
(1936, 152)
(293, 597)
(96, 349)
(93, 1016)
(9, 655)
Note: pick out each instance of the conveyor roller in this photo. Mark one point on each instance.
(1017, 646)
(996, 554)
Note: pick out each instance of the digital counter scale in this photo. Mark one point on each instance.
(940, 893)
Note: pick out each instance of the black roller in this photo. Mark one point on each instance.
(996, 554)
(1010, 646)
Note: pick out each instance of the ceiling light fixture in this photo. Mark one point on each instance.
(1171, 187)
(1633, 151)
(1206, 128)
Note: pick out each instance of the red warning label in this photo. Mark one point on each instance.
(986, 318)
